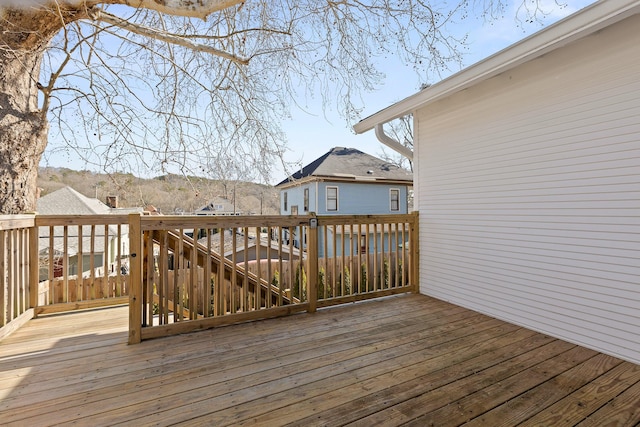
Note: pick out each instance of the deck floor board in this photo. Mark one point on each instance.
(403, 360)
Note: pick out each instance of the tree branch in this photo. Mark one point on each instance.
(187, 8)
(97, 14)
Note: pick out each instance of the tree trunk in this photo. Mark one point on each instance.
(23, 130)
(25, 33)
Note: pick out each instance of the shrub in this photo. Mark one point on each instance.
(300, 284)
(363, 278)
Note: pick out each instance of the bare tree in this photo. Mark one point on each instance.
(402, 131)
(126, 84)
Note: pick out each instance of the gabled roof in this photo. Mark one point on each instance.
(579, 25)
(349, 164)
(68, 201)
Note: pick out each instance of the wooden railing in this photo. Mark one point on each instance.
(59, 263)
(182, 273)
(365, 257)
(248, 267)
(83, 261)
(18, 294)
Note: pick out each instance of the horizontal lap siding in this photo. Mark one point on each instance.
(529, 194)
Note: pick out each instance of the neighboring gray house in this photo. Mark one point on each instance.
(346, 181)
(67, 201)
(528, 181)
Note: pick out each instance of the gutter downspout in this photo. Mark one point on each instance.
(392, 143)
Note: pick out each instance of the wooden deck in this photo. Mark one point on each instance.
(407, 359)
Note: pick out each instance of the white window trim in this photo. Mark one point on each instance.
(337, 198)
(391, 190)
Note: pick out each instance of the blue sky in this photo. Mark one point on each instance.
(310, 136)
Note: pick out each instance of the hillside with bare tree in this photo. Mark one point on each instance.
(169, 193)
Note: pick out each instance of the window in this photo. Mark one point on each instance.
(285, 200)
(395, 199)
(306, 200)
(332, 198)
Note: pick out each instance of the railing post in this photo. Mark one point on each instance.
(312, 260)
(136, 274)
(4, 285)
(415, 252)
(34, 267)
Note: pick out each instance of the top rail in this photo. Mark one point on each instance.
(62, 220)
(170, 222)
(14, 222)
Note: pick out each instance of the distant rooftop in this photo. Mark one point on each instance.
(67, 201)
(218, 206)
(349, 163)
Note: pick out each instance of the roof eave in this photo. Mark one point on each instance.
(576, 26)
(358, 179)
(295, 182)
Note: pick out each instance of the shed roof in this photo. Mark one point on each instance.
(342, 163)
(576, 26)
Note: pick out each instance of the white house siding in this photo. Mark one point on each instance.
(529, 194)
